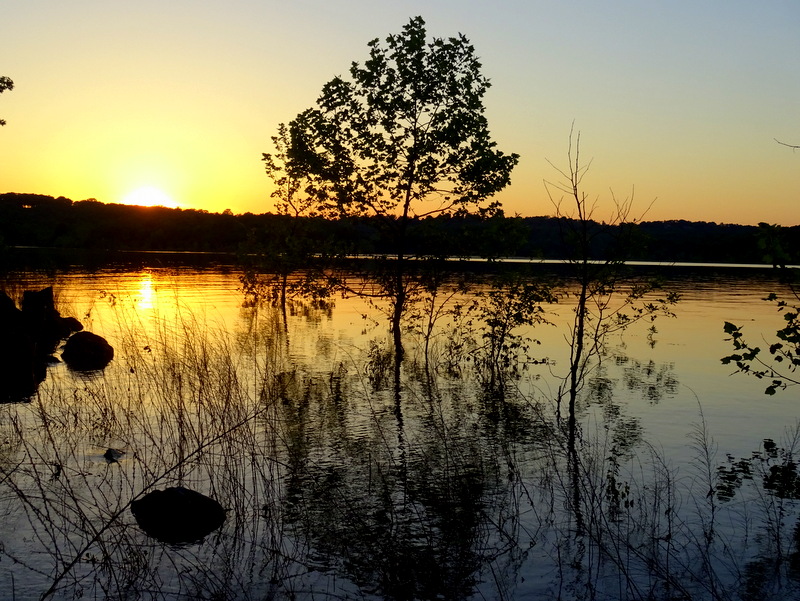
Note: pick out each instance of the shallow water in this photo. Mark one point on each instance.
(341, 484)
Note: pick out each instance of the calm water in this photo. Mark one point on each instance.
(339, 484)
(688, 346)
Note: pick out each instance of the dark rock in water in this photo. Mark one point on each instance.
(22, 364)
(85, 351)
(71, 324)
(113, 455)
(38, 300)
(21, 370)
(7, 305)
(28, 338)
(44, 322)
(177, 515)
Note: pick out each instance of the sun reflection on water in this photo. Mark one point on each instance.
(146, 293)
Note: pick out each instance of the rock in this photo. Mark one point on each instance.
(113, 455)
(177, 515)
(28, 338)
(38, 303)
(86, 351)
(21, 370)
(21, 367)
(7, 305)
(42, 320)
(72, 324)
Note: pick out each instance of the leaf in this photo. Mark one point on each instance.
(731, 328)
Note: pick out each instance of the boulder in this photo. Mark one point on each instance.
(177, 515)
(28, 338)
(113, 455)
(8, 308)
(44, 322)
(86, 351)
(22, 367)
(70, 324)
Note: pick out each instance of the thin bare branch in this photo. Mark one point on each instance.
(792, 146)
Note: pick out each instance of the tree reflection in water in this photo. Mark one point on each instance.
(400, 502)
(413, 484)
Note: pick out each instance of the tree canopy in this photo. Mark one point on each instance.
(405, 136)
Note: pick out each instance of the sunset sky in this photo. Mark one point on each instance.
(681, 101)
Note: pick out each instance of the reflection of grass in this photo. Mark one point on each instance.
(654, 531)
(343, 486)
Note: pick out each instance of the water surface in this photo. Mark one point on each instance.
(341, 481)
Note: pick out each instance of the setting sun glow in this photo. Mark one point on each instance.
(686, 102)
(148, 196)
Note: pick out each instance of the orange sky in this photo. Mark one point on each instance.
(681, 102)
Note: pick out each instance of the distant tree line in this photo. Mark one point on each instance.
(45, 221)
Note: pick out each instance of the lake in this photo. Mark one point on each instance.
(342, 478)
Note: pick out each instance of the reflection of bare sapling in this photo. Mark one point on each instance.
(652, 381)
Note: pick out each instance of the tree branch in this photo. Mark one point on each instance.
(793, 146)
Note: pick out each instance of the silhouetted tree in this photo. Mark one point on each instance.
(283, 263)
(404, 138)
(5, 84)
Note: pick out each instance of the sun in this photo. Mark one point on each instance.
(150, 196)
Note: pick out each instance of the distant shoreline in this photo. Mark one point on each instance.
(368, 257)
(41, 221)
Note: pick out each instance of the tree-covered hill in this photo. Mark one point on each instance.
(40, 220)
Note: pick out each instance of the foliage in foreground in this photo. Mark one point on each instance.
(780, 364)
